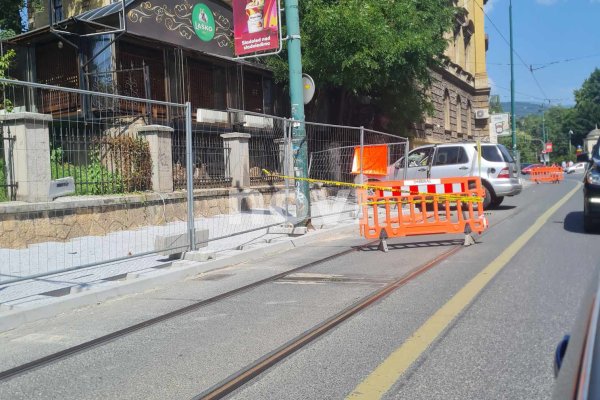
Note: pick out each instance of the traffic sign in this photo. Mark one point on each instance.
(549, 147)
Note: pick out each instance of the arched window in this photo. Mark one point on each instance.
(458, 114)
(469, 119)
(447, 111)
(468, 59)
(458, 47)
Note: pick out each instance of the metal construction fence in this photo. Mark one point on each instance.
(90, 178)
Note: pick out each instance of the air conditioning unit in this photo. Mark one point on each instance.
(482, 113)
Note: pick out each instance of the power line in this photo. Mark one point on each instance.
(566, 60)
(528, 67)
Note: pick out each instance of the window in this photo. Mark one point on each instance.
(420, 157)
(458, 114)
(506, 154)
(469, 119)
(468, 59)
(447, 111)
(451, 155)
(490, 153)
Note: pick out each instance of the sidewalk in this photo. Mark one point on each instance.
(55, 293)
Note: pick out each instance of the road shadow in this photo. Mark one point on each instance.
(574, 223)
(414, 245)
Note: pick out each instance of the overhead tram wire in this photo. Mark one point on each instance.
(566, 60)
(527, 66)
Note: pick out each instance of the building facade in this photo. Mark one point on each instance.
(460, 90)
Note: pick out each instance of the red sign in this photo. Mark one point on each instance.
(549, 147)
(255, 26)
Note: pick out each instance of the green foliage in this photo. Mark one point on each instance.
(91, 179)
(587, 107)
(117, 165)
(10, 19)
(495, 105)
(6, 60)
(555, 122)
(378, 50)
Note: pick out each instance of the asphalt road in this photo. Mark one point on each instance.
(499, 346)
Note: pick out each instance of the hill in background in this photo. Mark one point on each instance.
(523, 108)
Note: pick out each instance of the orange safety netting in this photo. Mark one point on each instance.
(375, 160)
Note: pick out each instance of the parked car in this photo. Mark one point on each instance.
(576, 361)
(591, 191)
(578, 168)
(527, 170)
(498, 169)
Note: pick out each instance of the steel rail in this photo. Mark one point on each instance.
(71, 351)
(253, 370)
(238, 379)
(266, 362)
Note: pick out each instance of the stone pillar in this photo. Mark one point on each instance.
(239, 158)
(160, 142)
(30, 154)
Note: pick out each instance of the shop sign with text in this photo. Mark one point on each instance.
(255, 26)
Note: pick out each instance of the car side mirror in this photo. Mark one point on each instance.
(559, 354)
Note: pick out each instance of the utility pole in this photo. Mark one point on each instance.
(512, 83)
(299, 147)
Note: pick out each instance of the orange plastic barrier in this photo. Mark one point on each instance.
(547, 174)
(374, 160)
(422, 207)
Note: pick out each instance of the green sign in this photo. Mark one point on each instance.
(203, 22)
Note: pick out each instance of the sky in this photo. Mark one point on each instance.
(544, 31)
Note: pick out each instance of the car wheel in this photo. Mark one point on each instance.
(487, 200)
(496, 201)
(588, 224)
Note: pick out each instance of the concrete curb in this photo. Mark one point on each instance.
(180, 270)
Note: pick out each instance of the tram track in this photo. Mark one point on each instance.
(261, 365)
(266, 362)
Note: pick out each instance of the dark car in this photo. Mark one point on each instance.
(591, 192)
(577, 361)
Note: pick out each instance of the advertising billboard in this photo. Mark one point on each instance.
(255, 26)
(204, 25)
(500, 125)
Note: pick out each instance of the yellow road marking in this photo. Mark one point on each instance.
(388, 372)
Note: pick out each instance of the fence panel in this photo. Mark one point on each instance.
(129, 169)
(104, 148)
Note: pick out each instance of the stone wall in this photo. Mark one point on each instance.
(23, 224)
(458, 84)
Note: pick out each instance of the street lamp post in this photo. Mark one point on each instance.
(570, 138)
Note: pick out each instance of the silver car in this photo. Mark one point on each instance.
(496, 167)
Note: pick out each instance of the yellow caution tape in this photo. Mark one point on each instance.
(438, 197)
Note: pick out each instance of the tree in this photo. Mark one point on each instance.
(495, 105)
(11, 21)
(587, 107)
(373, 52)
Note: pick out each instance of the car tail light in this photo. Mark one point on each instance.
(504, 173)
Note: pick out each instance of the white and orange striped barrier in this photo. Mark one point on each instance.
(422, 207)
